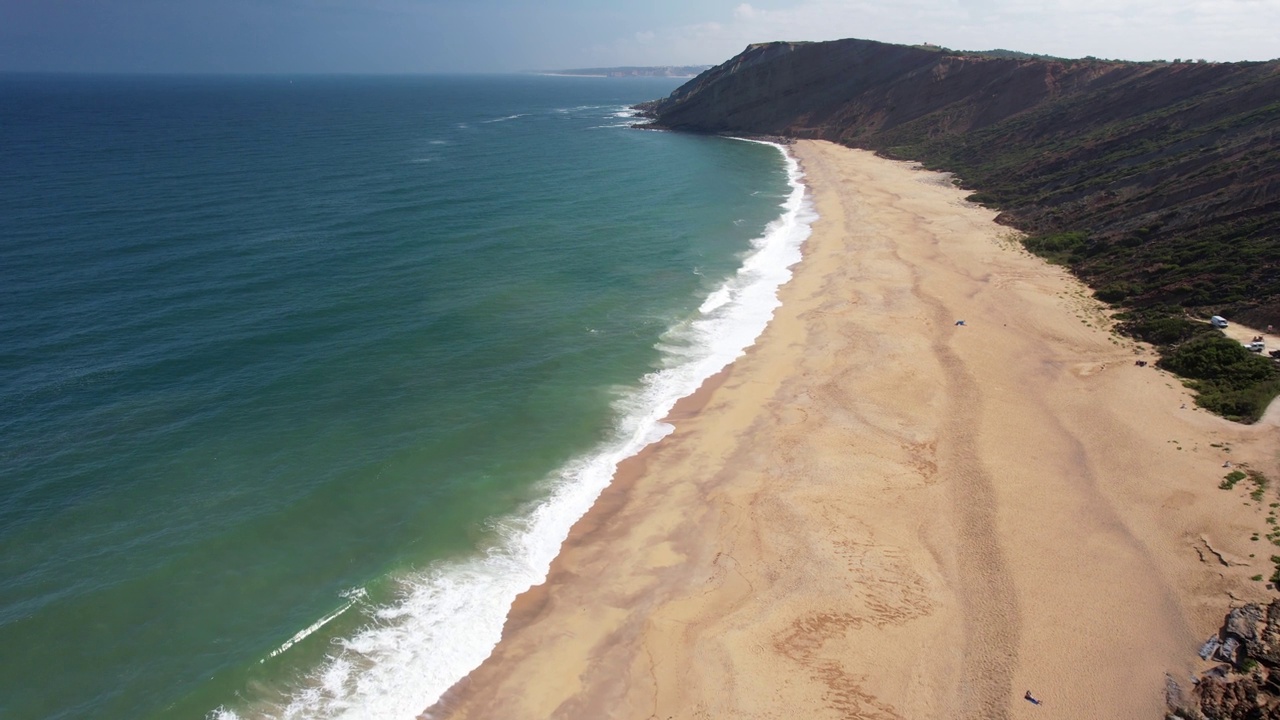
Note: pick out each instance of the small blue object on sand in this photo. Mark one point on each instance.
(959, 322)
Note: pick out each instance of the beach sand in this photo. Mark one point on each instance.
(878, 513)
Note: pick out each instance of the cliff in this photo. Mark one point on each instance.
(1158, 183)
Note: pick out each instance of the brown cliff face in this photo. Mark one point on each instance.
(850, 90)
(1158, 183)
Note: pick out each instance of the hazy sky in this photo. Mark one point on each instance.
(375, 36)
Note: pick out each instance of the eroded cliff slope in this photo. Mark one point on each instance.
(1158, 183)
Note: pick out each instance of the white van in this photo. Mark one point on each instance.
(1218, 321)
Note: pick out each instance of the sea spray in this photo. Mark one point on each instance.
(450, 616)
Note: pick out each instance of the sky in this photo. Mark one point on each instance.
(434, 36)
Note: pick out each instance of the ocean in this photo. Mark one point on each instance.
(304, 379)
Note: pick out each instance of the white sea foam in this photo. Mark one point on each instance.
(450, 616)
(619, 111)
(504, 119)
(716, 300)
(582, 108)
(355, 596)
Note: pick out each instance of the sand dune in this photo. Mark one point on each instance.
(878, 513)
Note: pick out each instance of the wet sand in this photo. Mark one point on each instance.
(879, 513)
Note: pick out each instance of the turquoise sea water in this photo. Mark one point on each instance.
(304, 379)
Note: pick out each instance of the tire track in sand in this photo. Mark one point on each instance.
(985, 588)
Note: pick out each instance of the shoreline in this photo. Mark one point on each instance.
(867, 513)
(727, 323)
(529, 604)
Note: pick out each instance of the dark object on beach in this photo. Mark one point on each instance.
(959, 322)
(1140, 363)
(1031, 699)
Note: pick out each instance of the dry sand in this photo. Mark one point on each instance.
(877, 513)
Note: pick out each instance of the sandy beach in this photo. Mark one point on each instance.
(881, 513)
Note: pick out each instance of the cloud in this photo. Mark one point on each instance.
(1130, 29)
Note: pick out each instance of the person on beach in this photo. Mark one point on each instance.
(1031, 699)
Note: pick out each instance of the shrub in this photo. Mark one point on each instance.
(1057, 247)
(1220, 359)
(1229, 380)
(1260, 483)
(1115, 292)
(1246, 405)
(1163, 330)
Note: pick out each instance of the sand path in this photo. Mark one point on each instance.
(878, 513)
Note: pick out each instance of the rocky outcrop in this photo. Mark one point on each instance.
(1246, 686)
(1258, 630)
(1160, 176)
(1223, 699)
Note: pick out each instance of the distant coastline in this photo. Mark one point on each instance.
(671, 71)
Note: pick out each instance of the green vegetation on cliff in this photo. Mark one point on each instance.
(1157, 183)
(1229, 380)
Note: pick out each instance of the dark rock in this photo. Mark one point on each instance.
(1249, 687)
(1259, 629)
(1267, 647)
(1243, 622)
(1229, 652)
(1210, 647)
(1222, 699)
(1217, 671)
